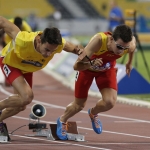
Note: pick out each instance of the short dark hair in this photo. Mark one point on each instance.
(52, 36)
(123, 32)
(18, 22)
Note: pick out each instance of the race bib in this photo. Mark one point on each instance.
(6, 70)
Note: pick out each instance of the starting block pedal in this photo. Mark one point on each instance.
(72, 132)
(5, 139)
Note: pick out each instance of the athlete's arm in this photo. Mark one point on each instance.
(131, 54)
(83, 62)
(69, 47)
(11, 29)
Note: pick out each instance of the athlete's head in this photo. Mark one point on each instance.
(49, 41)
(18, 22)
(122, 37)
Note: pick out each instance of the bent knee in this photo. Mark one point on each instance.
(110, 102)
(79, 104)
(27, 99)
(79, 107)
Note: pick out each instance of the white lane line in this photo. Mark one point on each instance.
(126, 121)
(66, 143)
(8, 144)
(125, 134)
(138, 143)
(61, 107)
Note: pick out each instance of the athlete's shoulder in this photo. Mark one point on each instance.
(132, 45)
(63, 41)
(97, 36)
(60, 47)
(25, 37)
(102, 35)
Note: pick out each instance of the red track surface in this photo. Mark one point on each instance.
(125, 127)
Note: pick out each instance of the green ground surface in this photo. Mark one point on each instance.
(144, 97)
(137, 61)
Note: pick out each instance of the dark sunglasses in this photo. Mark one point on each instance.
(121, 47)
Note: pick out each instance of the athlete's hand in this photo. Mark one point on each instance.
(78, 50)
(128, 69)
(97, 62)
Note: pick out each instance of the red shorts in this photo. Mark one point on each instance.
(103, 80)
(12, 73)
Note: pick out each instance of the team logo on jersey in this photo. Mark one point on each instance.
(31, 62)
(6, 70)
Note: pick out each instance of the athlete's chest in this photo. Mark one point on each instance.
(107, 56)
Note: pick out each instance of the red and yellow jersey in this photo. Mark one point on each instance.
(25, 27)
(22, 54)
(108, 57)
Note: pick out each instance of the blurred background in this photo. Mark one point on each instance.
(79, 20)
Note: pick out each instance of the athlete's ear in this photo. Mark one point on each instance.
(39, 40)
(111, 38)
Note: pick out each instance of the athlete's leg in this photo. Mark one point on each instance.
(24, 97)
(107, 84)
(82, 85)
(73, 108)
(10, 111)
(108, 100)
(109, 97)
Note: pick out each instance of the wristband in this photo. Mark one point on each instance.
(89, 60)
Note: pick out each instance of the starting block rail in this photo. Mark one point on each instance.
(72, 133)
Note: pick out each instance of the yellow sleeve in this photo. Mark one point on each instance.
(24, 38)
(25, 26)
(21, 39)
(7, 38)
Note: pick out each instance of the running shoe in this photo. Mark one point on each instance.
(96, 124)
(3, 131)
(61, 130)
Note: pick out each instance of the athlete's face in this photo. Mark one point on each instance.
(46, 49)
(119, 46)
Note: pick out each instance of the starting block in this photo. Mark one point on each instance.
(5, 139)
(72, 132)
